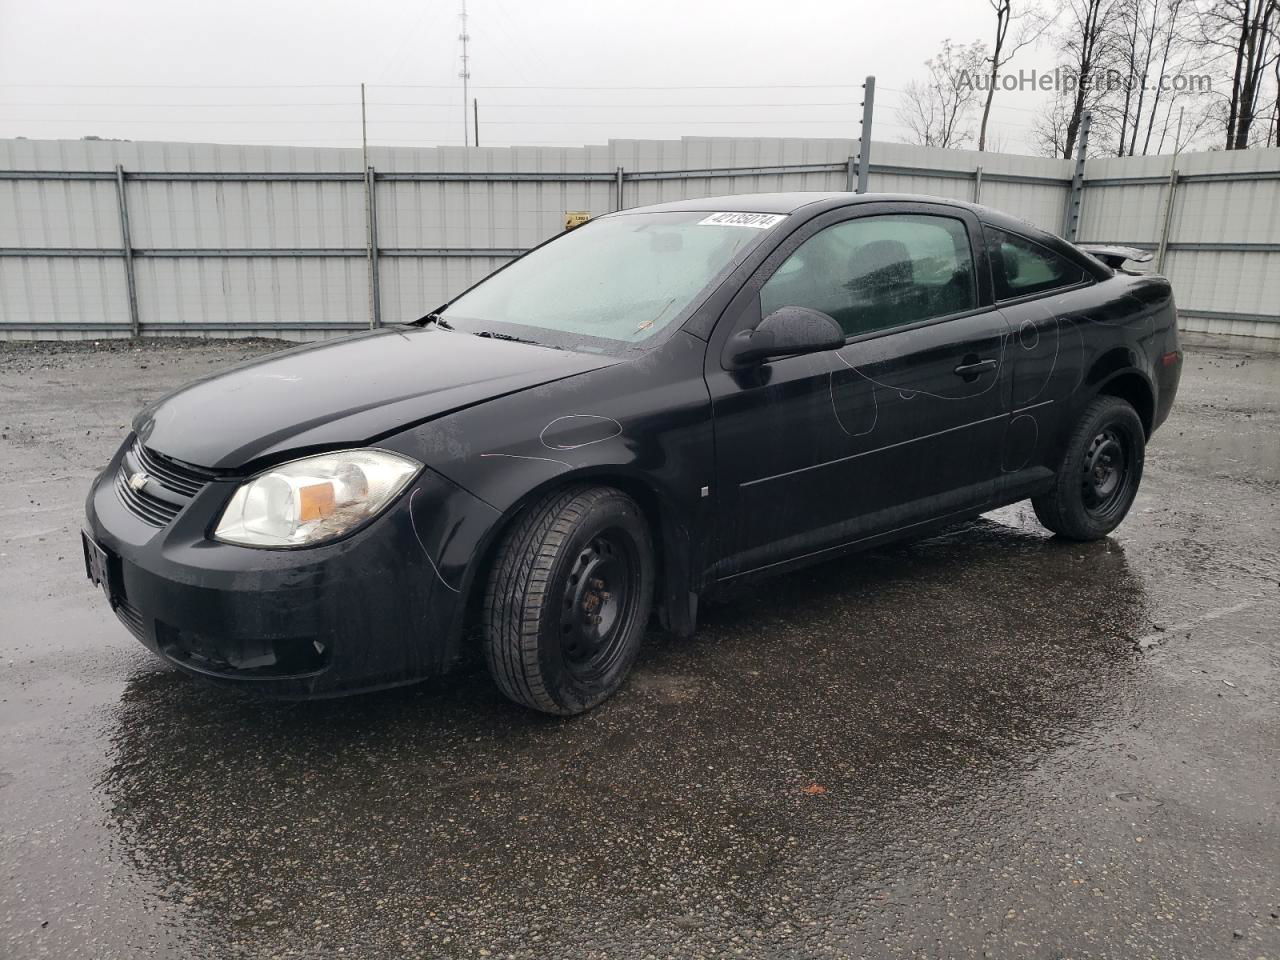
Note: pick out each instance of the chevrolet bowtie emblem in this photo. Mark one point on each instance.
(137, 481)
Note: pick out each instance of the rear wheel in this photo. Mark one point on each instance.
(568, 600)
(1099, 474)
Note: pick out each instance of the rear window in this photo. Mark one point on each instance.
(1022, 267)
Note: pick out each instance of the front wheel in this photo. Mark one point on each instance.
(1099, 474)
(568, 600)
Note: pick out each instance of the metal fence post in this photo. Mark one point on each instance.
(126, 245)
(1168, 217)
(185, 318)
(371, 247)
(1071, 219)
(618, 177)
(864, 141)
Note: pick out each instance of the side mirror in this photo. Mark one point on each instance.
(785, 332)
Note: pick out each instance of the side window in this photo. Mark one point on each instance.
(1020, 267)
(878, 272)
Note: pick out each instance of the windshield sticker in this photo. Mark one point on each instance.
(757, 221)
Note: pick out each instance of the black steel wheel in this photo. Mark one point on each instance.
(568, 600)
(1105, 479)
(599, 604)
(1099, 475)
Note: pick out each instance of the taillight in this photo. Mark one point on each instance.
(1169, 359)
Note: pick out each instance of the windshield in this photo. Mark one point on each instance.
(613, 284)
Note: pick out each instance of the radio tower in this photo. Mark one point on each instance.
(465, 74)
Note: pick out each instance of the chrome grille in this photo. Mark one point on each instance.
(153, 510)
(168, 487)
(178, 477)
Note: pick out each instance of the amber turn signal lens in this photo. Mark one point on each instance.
(315, 501)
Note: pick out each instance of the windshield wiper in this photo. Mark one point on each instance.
(438, 320)
(492, 335)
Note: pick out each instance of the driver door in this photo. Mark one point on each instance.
(901, 426)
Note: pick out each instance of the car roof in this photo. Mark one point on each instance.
(814, 202)
(746, 202)
(795, 200)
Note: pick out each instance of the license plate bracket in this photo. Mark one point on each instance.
(97, 565)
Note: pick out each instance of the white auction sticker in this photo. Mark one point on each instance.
(758, 221)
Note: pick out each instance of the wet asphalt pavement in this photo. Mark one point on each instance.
(990, 743)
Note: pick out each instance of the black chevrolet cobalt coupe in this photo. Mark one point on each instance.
(636, 413)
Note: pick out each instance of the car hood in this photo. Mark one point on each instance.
(344, 392)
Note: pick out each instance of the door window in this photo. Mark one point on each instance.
(874, 273)
(1020, 267)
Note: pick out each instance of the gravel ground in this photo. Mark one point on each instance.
(989, 743)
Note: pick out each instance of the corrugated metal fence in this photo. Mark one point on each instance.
(104, 238)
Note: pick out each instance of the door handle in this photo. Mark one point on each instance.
(971, 369)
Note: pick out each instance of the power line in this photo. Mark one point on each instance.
(418, 104)
(422, 86)
(535, 123)
(994, 105)
(671, 86)
(187, 103)
(610, 104)
(183, 86)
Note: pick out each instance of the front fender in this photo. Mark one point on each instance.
(643, 425)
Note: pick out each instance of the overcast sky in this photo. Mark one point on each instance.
(544, 71)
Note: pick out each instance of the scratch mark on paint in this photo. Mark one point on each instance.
(907, 393)
(1057, 351)
(831, 378)
(425, 552)
(1023, 328)
(1034, 406)
(1083, 352)
(577, 416)
(1031, 448)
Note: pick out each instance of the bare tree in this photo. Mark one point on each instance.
(1164, 38)
(1049, 129)
(1160, 74)
(1151, 83)
(1275, 110)
(1135, 27)
(937, 111)
(1087, 40)
(1243, 32)
(998, 140)
(1015, 29)
(1183, 134)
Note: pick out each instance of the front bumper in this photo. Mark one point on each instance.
(381, 607)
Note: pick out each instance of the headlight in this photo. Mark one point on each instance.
(319, 498)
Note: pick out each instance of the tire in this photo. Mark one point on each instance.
(568, 600)
(1099, 474)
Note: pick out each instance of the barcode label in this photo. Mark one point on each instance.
(757, 221)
